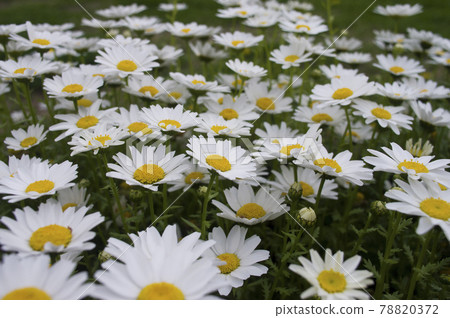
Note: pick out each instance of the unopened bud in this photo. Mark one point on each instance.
(307, 216)
(295, 192)
(136, 195)
(104, 256)
(202, 191)
(398, 49)
(378, 207)
(84, 183)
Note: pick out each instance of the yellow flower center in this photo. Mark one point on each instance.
(342, 93)
(321, 117)
(87, 121)
(165, 122)
(331, 281)
(265, 103)
(242, 12)
(187, 30)
(299, 26)
(236, 42)
(55, 234)
(101, 75)
(68, 205)
(235, 84)
(424, 90)
(291, 58)
(416, 166)
(150, 89)
(27, 293)
(101, 138)
(41, 186)
(307, 189)
(218, 162)
(229, 113)
(195, 82)
(126, 66)
(28, 142)
(443, 187)
(84, 102)
(397, 69)
(21, 70)
(193, 176)
(176, 95)
(381, 113)
(41, 41)
(217, 128)
(436, 208)
(232, 262)
(161, 291)
(149, 174)
(287, 149)
(251, 211)
(139, 127)
(72, 88)
(328, 162)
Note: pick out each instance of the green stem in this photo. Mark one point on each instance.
(205, 204)
(164, 196)
(75, 105)
(349, 125)
(27, 93)
(415, 275)
(362, 233)
(319, 193)
(151, 206)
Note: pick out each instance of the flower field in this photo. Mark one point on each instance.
(275, 152)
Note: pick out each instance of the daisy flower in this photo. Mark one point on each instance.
(327, 115)
(268, 100)
(248, 207)
(7, 29)
(167, 55)
(188, 30)
(418, 149)
(332, 278)
(126, 60)
(398, 90)
(220, 156)
(216, 125)
(386, 116)
(237, 40)
(139, 23)
(87, 117)
(174, 93)
(122, 41)
(145, 86)
(424, 111)
(36, 278)
(399, 10)
(96, 138)
(308, 179)
(197, 83)
(283, 81)
(426, 200)
(14, 163)
(238, 255)
(194, 173)
(354, 57)
(310, 26)
(399, 65)
(72, 84)
(337, 71)
(231, 108)
(291, 55)
(274, 133)
(49, 229)
(340, 166)
(149, 167)
(206, 52)
(343, 90)
(74, 197)
(168, 7)
(347, 44)
(400, 161)
(427, 88)
(37, 179)
(24, 140)
(121, 11)
(101, 24)
(262, 20)
(42, 40)
(360, 131)
(147, 272)
(170, 119)
(246, 69)
(238, 12)
(27, 66)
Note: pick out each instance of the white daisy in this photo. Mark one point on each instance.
(426, 200)
(230, 108)
(174, 93)
(398, 90)
(291, 55)
(400, 161)
(262, 20)
(139, 23)
(194, 173)
(360, 131)
(37, 179)
(145, 86)
(27, 66)
(424, 111)
(149, 167)
(75, 196)
(36, 278)
(170, 119)
(246, 69)
(23, 140)
(332, 278)
(49, 229)
(428, 89)
(198, 83)
(72, 84)
(220, 156)
(167, 55)
(326, 115)
(42, 40)
(168, 7)
(122, 41)
(311, 26)
(337, 71)
(399, 65)
(206, 52)
(121, 11)
(344, 43)
(216, 125)
(188, 30)
(237, 40)
(399, 10)
(243, 11)
(14, 163)
(273, 133)
(268, 100)
(354, 57)
(96, 138)
(238, 255)
(248, 207)
(386, 116)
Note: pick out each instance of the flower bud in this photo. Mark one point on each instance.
(104, 256)
(84, 183)
(136, 195)
(378, 207)
(295, 192)
(202, 191)
(307, 216)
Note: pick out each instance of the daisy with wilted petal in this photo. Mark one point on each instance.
(27, 66)
(23, 140)
(246, 69)
(232, 108)
(424, 199)
(216, 125)
(126, 60)
(197, 83)
(343, 90)
(121, 11)
(400, 161)
(149, 167)
(399, 65)
(248, 207)
(424, 111)
(238, 256)
(169, 119)
(95, 138)
(36, 278)
(291, 55)
(37, 179)
(49, 230)
(418, 149)
(220, 156)
(193, 174)
(72, 84)
(268, 100)
(332, 278)
(385, 116)
(354, 57)
(237, 40)
(327, 115)
(399, 10)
